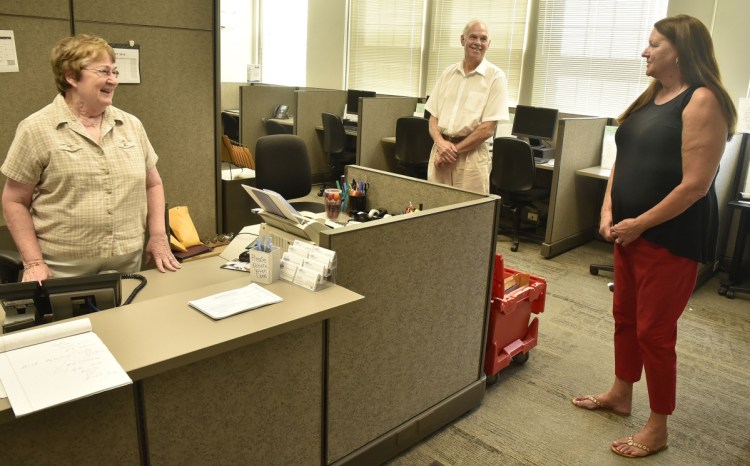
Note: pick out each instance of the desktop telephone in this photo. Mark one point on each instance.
(281, 112)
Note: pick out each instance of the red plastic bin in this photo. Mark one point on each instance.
(510, 336)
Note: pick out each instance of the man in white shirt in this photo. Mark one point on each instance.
(469, 99)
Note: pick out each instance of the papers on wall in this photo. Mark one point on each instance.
(233, 302)
(253, 73)
(8, 57)
(609, 148)
(52, 365)
(128, 59)
(743, 116)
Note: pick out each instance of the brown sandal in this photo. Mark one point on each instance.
(649, 451)
(598, 405)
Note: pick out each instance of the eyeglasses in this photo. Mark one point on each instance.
(104, 72)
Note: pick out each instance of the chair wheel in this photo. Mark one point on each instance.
(514, 248)
(593, 270)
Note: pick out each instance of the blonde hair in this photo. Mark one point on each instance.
(72, 54)
(698, 66)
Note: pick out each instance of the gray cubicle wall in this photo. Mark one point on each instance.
(311, 104)
(407, 359)
(257, 101)
(175, 99)
(377, 120)
(573, 201)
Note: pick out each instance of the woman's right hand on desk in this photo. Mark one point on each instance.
(36, 273)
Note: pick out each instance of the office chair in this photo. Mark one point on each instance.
(334, 144)
(512, 177)
(274, 127)
(282, 165)
(231, 125)
(11, 266)
(413, 145)
(239, 155)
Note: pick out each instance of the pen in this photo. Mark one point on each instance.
(269, 245)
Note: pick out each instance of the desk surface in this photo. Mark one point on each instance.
(283, 121)
(594, 172)
(348, 130)
(159, 331)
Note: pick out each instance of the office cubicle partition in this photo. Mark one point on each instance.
(573, 202)
(377, 120)
(175, 99)
(311, 104)
(407, 359)
(258, 101)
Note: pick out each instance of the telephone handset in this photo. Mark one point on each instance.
(281, 112)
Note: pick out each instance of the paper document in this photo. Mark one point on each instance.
(53, 365)
(233, 302)
(8, 58)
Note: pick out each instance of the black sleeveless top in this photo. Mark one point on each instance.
(648, 167)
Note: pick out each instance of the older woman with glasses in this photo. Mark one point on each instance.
(82, 184)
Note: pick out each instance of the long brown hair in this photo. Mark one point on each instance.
(695, 52)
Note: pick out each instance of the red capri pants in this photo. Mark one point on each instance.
(652, 288)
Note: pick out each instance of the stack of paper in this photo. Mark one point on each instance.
(52, 365)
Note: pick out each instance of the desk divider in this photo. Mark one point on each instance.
(311, 104)
(572, 203)
(408, 358)
(377, 120)
(257, 101)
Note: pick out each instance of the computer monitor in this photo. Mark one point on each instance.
(535, 123)
(352, 100)
(75, 296)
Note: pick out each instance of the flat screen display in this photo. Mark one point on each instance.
(534, 123)
(352, 99)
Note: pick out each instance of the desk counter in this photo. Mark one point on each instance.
(258, 375)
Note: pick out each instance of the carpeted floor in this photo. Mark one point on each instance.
(526, 417)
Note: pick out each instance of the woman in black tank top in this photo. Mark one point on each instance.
(660, 211)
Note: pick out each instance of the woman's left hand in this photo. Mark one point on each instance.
(626, 231)
(158, 249)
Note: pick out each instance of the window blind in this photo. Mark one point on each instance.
(506, 24)
(588, 54)
(385, 46)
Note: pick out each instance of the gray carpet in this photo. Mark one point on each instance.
(526, 417)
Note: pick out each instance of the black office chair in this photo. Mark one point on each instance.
(231, 125)
(512, 177)
(11, 266)
(282, 165)
(274, 127)
(413, 145)
(334, 144)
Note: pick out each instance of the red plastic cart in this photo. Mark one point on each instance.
(510, 336)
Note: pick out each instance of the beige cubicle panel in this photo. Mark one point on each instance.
(377, 120)
(101, 429)
(258, 101)
(573, 201)
(408, 359)
(311, 104)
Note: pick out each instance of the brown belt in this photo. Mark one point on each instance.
(453, 139)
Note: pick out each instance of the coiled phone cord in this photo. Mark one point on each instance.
(137, 289)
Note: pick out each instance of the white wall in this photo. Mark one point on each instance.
(326, 44)
(731, 34)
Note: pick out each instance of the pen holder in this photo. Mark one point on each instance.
(264, 266)
(356, 204)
